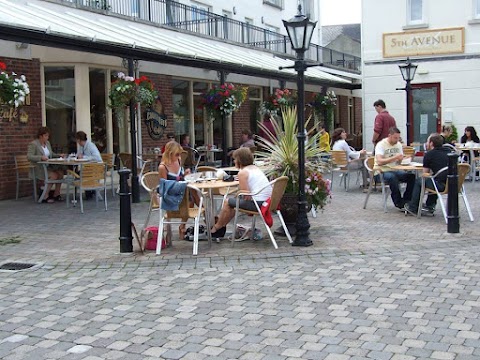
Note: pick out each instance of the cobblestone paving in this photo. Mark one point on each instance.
(373, 286)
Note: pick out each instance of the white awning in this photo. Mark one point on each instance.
(85, 27)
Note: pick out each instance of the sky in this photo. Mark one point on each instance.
(334, 12)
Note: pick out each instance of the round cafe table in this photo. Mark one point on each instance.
(210, 185)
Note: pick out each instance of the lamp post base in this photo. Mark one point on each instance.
(302, 237)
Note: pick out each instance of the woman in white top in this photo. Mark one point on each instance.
(251, 179)
(354, 157)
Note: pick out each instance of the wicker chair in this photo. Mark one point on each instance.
(108, 160)
(278, 189)
(25, 171)
(92, 177)
(184, 213)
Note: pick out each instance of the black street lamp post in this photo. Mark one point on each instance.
(408, 73)
(300, 30)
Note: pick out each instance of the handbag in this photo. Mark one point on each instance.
(151, 234)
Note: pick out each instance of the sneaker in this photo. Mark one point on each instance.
(429, 209)
(410, 210)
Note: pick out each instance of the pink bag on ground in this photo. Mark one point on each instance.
(151, 233)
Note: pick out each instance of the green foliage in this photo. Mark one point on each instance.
(453, 136)
(280, 154)
(10, 240)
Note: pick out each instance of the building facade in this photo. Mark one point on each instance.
(71, 68)
(439, 36)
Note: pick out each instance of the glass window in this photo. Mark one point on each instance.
(60, 108)
(476, 9)
(98, 111)
(415, 11)
(181, 114)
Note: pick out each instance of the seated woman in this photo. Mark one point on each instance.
(41, 150)
(170, 169)
(469, 137)
(86, 149)
(354, 157)
(251, 179)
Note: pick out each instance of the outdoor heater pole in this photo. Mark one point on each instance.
(133, 139)
(453, 219)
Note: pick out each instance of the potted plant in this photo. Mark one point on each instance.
(126, 89)
(280, 154)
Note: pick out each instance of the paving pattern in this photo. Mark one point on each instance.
(374, 285)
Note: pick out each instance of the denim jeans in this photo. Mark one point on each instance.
(394, 178)
(431, 199)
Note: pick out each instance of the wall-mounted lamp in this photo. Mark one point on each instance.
(262, 20)
(234, 10)
(21, 46)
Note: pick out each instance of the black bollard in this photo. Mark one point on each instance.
(126, 245)
(453, 225)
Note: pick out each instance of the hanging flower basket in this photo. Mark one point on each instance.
(224, 99)
(13, 90)
(126, 89)
(281, 98)
(321, 104)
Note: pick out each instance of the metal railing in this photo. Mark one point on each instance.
(192, 19)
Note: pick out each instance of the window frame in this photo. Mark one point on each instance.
(411, 21)
(476, 9)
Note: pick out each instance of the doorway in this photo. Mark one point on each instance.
(426, 111)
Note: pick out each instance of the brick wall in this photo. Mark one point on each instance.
(163, 84)
(15, 136)
(240, 122)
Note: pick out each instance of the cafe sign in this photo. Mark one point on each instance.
(427, 42)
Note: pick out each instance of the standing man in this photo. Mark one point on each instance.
(435, 158)
(383, 122)
(388, 153)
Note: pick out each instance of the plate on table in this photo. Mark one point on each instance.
(80, 160)
(57, 159)
(413, 163)
(406, 161)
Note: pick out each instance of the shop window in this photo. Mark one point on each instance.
(198, 113)
(60, 108)
(181, 112)
(254, 99)
(98, 111)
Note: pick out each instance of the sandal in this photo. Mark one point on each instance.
(48, 200)
(58, 198)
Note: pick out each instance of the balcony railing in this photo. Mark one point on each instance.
(192, 19)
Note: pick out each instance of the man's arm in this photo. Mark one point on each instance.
(384, 161)
(377, 128)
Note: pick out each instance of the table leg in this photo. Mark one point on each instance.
(45, 184)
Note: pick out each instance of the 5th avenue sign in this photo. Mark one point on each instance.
(427, 42)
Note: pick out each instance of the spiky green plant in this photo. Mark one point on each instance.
(280, 152)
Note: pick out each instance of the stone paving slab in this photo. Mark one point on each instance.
(374, 285)
(54, 235)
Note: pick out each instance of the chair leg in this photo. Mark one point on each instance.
(18, 189)
(160, 231)
(289, 237)
(442, 205)
(105, 196)
(34, 188)
(467, 205)
(195, 235)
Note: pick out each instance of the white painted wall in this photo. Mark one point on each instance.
(459, 76)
